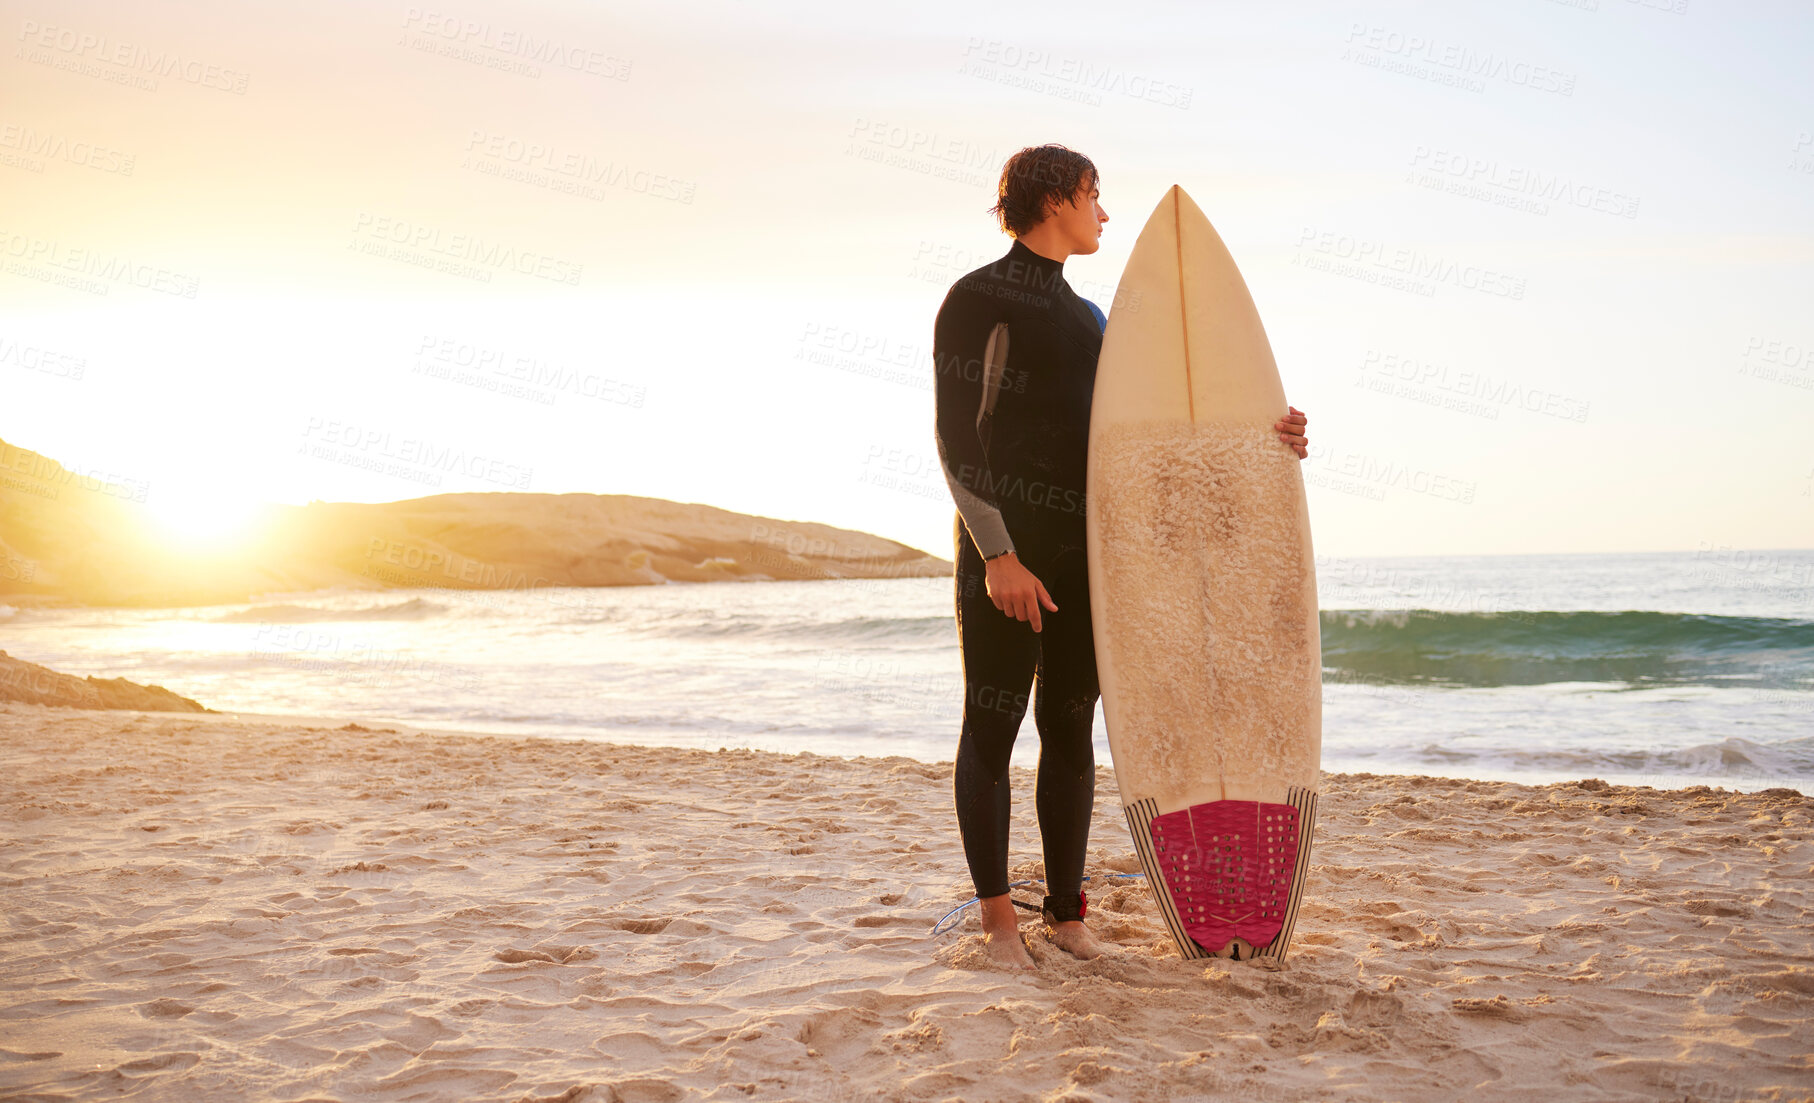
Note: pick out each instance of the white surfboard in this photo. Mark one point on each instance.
(1203, 593)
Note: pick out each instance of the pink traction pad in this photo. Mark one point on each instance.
(1228, 865)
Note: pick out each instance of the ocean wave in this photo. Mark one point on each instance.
(1406, 647)
(876, 629)
(1735, 757)
(691, 624)
(413, 609)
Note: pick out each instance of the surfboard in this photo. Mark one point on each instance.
(1203, 595)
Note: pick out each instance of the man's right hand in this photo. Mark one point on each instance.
(1015, 591)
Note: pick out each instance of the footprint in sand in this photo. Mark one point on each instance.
(553, 955)
(165, 1009)
(1499, 1007)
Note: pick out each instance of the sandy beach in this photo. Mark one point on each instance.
(209, 907)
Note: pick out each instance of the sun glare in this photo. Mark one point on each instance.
(202, 521)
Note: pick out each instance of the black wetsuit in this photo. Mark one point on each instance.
(1015, 352)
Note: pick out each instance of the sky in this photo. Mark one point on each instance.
(1538, 272)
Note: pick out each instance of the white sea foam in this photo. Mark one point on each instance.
(871, 667)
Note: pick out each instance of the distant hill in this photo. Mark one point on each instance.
(64, 536)
(38, 685)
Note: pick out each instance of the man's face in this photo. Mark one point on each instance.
(1080, 220)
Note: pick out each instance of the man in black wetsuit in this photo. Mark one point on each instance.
(1015, 354)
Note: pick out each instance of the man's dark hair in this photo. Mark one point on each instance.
(1033, 176)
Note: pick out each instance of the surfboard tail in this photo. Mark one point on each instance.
(1228, 875)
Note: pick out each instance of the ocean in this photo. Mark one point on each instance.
(1667, 669)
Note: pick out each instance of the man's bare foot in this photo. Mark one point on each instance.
(1075, 939)
(1002, 928)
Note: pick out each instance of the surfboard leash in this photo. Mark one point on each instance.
(941, 926)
